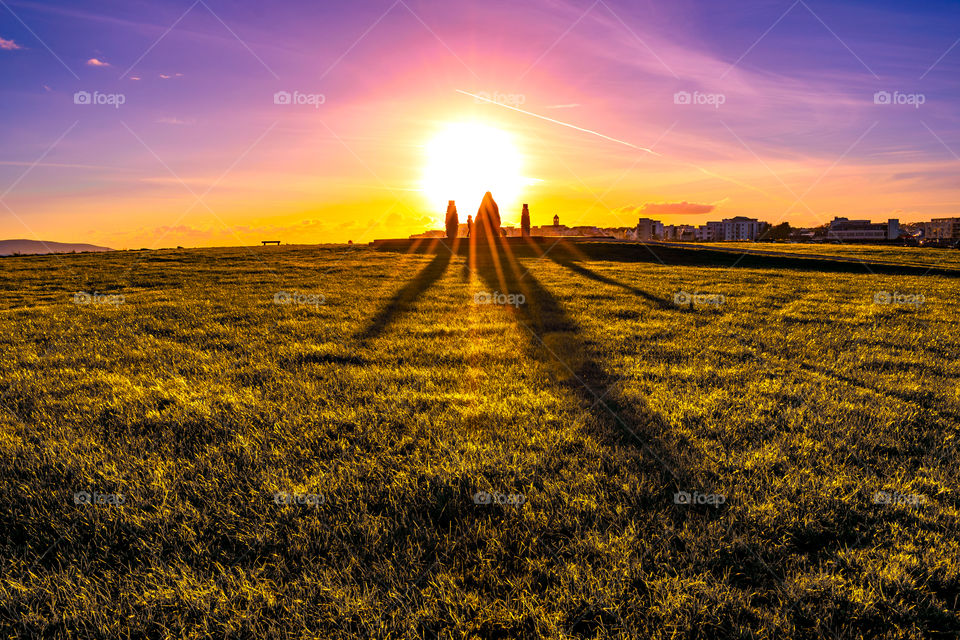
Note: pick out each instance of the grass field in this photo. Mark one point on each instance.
(303, 442)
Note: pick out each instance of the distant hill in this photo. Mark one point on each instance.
(32, 247)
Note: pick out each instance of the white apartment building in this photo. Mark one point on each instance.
(742, 228)
(739, 228)
(648, 229)
(942, 229)
(845, 230)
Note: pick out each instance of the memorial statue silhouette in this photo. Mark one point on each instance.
(453, 221)
(469, 226)
(487, 222)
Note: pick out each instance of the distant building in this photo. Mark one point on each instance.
(737, 229)
(648, 230)
(710, 232)
(621, 233)
(741, 228)
(433, 233)
(844, 230)
(587, 230)
(679, 232)
(942, 229)
(557, 229)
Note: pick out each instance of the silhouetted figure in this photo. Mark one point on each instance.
(488, 219)
(525, 222)
(453, 222)
(556, 220)
(469, 225)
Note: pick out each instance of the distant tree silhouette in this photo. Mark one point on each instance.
(525, 222)
(821, 231)
(488, 219)
(777, 232)
(453, 222)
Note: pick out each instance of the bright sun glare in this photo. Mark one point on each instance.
(467, 159)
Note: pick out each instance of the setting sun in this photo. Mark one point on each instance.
(466, 159)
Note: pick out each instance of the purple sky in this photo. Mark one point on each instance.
(788, 125)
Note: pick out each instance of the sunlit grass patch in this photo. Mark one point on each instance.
(826, 418)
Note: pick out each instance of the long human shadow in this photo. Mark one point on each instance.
(568, 261)
(557, 339)
(403, 298)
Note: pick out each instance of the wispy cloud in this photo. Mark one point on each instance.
(177, 121)
(9, 45)
(562, 106)
(96, 62)
(61, 165)
(674, 208)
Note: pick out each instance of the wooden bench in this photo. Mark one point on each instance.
(266, 242)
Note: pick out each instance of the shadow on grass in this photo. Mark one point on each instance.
(696, 256)
(403, 298)
(620, 419)
(672, 255)
(628, 421)
(556, 339)
(568, 261)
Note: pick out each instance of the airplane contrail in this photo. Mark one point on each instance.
(565, 124)
(625, 143)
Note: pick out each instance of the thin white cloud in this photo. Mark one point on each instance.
(95, 62)
(563, 106)
(167, 120)
(9, 45)
(60, 165)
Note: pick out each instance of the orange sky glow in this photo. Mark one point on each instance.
(583, 116)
